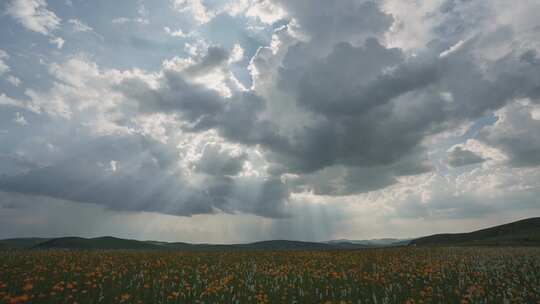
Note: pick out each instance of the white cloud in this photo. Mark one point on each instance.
(34, 15)
(113, 165)
(196, 8)
(173, 33)
(266, 11)
(13, 80)
(208, 66)
(58, 41)
(79, 26)
(237, 53)
(4, 68)
(19, 119)
(452, 49)
(79, 87)
(411, 29)
(122, 20)
(142, 17)
(8, 101)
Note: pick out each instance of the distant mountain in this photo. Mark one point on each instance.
(20, 243)
(78, 243)
(106, 242)
(521, 233)
(387, 242)
(287, 245)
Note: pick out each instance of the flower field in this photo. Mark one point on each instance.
(395, 275)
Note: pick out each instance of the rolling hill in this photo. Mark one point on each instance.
(21, 243)
(106, 242)
(521, 233)
(78, 243)
(386, 242)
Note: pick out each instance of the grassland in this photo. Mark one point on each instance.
(390, 275)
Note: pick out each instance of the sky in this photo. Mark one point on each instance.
(226, 121)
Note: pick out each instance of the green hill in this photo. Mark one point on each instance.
(386, 242)
(78, 243)
(95, 243)
(521, 233)
(287, 245)
(21, 243)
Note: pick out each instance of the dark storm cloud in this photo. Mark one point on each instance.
(203, 107)
(333, 85)
(236, 118)
(351, 90)
(340, 180)
(368, 111)
(333, 22)
(372, 106)
(216, 161)
(193, 101)
(459, 157)
(513, 135)
(214, 57)
(135, 173)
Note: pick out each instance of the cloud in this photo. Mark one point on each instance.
(512, 134)
(350, 103)
(88, 155)
(237, 54)
(14, 80)
(215, 160)
(452, 49)
(34, 15)
(347, 103)
(472, 194)
(95, 169)
(79, 26)
(357, 109)
(8, 101)
(122, 20)
(4, 68)
(459, 157)
(141, 18)
(20, 119)
(173, 33)
(196, 8)
(265, 10)
(59, 42)
(330, 23)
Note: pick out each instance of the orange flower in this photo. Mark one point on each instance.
(19, 299)
(124, 297)
(27, 287)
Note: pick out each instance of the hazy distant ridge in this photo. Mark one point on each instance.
(521, 233)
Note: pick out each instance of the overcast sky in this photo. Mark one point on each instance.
(240, 120)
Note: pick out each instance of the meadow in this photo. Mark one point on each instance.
(392, 275)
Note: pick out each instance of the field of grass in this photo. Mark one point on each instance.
(392, 275)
